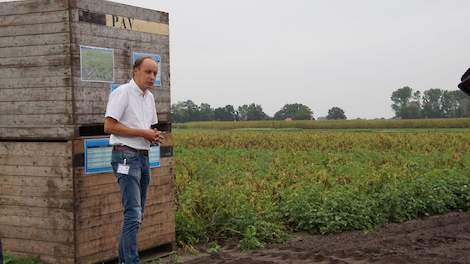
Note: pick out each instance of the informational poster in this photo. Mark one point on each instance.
(98, 156)
(96, 64)
(157, 58)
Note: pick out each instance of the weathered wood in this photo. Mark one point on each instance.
(33, 233)
(44, 39)
(37, 94)
(106, 7)
(46, 183)
(93, 34)
(35, 171)
(33, 191)
(36, 82)
(163, 200)
(28, 63)
(24, 55)
(60, 149)
(34, 18)
(35, 212)
(45, 161)
(35, 120)
(34, 72)
(36, 107)
(38, 247)
(34, 29)
(92, 191)
(45, 258)
(106, 201)
(110, 238)
(27, 7)
(157, 240)
(41, 133)
(94, 228)
(65, 223)
(48, 202)
(158, 213)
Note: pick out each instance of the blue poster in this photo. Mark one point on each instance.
(157, 58)
(114, 86)
(98, 156)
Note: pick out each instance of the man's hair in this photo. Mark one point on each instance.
(140, 60)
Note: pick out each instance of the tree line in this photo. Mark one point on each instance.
(432, 103)
(187, 111)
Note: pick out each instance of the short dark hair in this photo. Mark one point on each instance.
(140, 60)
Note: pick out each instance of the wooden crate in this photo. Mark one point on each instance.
(37, 200)
(42, 94)
(98, 217)
(48, 206)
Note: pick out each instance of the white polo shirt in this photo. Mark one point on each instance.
(133, 108)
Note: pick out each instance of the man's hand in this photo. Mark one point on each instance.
(151, 135)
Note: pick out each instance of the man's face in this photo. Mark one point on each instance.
(144, 76)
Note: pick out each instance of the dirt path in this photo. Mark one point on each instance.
(436, 239)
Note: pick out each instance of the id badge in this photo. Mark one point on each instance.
(123, 168)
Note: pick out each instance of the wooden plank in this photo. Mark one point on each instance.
(37, 61)
(46, 259)
(157, 240)
(45, 183)
(113, 205)
(23, 54)
(164, 117)
(36, 212)
(93, 218)
(34, 18)
(107, 200)
(97, 190)
(60, 149)
(43, 82)
(37, 133)
(36, 171)
(34, 29)
(157, 236)
(34, 72)
(111, 8)
(36, 107)
(34, 247)
(37, 94)
(26, 7)
(47, 161)
(89, 33)
(36, 201)
(35, 120)
(33, 191)
(38, 222)
(33, 233)
(44, 39)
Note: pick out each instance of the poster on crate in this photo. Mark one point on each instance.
(157, 58)
(96, 64)
(98, 156)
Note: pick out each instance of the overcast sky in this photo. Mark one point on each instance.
(351, 54)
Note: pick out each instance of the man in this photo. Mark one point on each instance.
(129, 115)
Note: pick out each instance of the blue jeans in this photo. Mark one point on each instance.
(134, 186)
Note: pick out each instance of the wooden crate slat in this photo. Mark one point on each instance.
(28, 7)
(34, 18)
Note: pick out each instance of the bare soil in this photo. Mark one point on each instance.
(435, 239)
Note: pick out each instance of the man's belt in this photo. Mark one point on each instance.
(124, 148)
